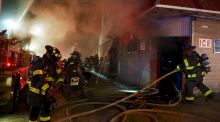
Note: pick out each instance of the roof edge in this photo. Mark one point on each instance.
(187, 8)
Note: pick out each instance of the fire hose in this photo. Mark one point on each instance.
(115, 118)
(122, 108)
(116, 102)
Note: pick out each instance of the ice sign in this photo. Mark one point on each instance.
(205, 43)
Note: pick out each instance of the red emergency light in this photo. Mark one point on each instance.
(8, 64)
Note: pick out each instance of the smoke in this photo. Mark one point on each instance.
(77, 24)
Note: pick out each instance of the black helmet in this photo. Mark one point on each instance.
(49, 49)
(54, 52)
(64, 60)
(188, 47)
(76, 53)
(36, 59)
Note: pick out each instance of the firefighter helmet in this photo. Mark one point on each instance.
(188, 47)
(76, 55)
(49, 49)
(36, 58)
(53, 52)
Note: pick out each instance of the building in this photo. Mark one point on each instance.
(178, 22)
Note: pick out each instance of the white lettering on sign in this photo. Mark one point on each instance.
(205, 43)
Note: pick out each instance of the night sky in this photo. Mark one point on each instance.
(12, 9)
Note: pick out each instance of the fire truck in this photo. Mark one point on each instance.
(14, 65)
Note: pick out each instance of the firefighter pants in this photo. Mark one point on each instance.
(43, 112)
(79, 87)
(191, 83)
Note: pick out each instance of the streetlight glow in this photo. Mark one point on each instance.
(10, 24)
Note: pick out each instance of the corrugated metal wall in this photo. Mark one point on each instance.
(134, 67)
(175, 26)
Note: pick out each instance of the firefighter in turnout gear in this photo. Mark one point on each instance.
(194, 71)
(44, 75)
(74, 77)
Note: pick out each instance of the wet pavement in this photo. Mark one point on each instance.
(21, 115)
(109, 91)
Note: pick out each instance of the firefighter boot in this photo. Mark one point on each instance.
(211, 96)
(188, 102)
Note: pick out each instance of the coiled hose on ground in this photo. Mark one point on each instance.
(122, 108)
(116, 102)
(115, 118)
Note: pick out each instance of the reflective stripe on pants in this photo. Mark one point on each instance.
(190, 98)
(44, 119)
(191, 75)
(32, 121)
(207, 93)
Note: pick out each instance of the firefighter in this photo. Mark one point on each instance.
(96, 62)
(45, 74)
(86, 63)
(193, 69)
(64, 62)
(74, 77)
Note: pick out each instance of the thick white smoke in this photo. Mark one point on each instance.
(77, 24)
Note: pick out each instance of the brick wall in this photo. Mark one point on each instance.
(209, 29)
